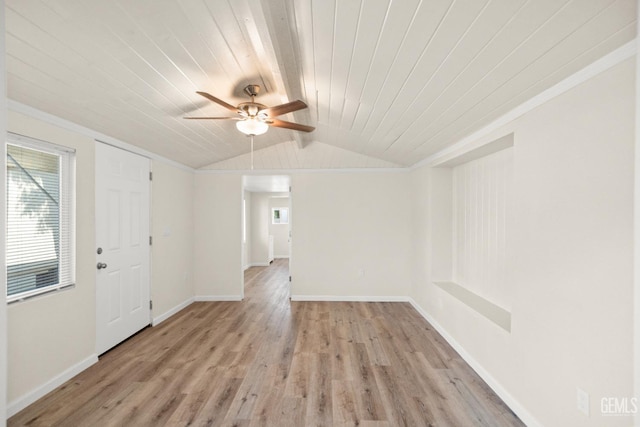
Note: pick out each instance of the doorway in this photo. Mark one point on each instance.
(267, 222)
(122, 245)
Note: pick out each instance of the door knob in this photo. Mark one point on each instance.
(101, 265)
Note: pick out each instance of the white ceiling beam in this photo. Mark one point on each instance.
(276, 34)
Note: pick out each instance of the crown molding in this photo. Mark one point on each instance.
(27, 110)
(471, 141)
(298, 171)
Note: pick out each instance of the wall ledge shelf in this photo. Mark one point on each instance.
(486, 308)
(459, 158)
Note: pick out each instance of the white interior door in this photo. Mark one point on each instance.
(122, 238)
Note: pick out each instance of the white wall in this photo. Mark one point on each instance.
(572, 245)
(351, 235)
(218, 237)
(3, 275)
(432, 226)
(172, 231)
(45, 327)
(636, 305)
(280, 232)
(246, 217)
(259, 235)
(345, 224)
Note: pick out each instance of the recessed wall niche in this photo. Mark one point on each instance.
(470, 228)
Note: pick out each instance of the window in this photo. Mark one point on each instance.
(40, 218)
(280, 216)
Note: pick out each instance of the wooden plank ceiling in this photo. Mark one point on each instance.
(395, 80)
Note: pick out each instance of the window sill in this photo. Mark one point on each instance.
(13, 299)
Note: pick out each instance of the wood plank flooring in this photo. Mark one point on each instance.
(267, 361)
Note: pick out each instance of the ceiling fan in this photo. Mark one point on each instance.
(254, 118)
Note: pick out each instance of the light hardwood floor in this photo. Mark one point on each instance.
(269, 361)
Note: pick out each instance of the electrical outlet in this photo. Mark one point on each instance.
(583, 401)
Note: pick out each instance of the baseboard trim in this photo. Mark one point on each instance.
(22, 402)
(259, 264)
(209, 298)
(159, 319)
(281, 256)
(524, 415)
(354, 298)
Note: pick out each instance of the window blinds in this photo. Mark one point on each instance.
(40, 226)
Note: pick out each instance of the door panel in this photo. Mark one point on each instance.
(122, 233)
(136, 288)
(113, 284)
(112, 219)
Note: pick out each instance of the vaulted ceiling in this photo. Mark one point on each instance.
(388, 82)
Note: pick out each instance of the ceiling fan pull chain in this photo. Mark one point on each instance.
(251, 152)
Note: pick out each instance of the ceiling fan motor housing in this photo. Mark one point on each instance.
(252, 90)
(251, 109)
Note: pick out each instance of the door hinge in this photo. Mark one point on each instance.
(289, 189)
(150, 176)
(289, 278)
(150, 305)
(150, 240)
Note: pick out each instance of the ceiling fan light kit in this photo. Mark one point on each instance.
(252, 126)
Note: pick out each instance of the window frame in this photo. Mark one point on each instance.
(67, 216)
(273, 211)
